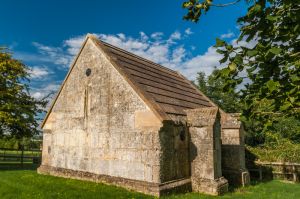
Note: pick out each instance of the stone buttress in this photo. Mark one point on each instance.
(205, 151)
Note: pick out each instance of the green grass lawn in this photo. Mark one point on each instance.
(18, 182)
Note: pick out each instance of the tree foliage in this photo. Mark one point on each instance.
(212, 87)
(25, 143)
(196, 8)
(270, 70)
(18, 110)
(285, 128)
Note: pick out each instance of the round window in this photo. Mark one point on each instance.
(88, 72)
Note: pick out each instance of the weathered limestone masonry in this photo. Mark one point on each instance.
(97, 125)
(121, 119)
(233, 150)
(205, 151)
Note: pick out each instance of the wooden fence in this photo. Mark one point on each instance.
(21, 156)
(275, 170)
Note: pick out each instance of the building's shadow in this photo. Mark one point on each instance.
(258, 173)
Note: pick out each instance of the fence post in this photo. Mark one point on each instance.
(22, 155)
(260, 173)
(4, 150)
(294, 174)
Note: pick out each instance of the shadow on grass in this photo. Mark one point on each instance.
(233, 189)
(17, 166)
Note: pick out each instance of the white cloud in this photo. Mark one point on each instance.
(55, 55)
(175, 35)
(45, 90)
(144, 37)
(39, 72)
(178, 54)
(128, 43)
(165, 51)
(227, 35)
(157, 35)
(243, 43)
(73, 44)
(205, 62)
(168, 51)
(188, 31)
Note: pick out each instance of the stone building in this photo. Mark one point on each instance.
(124, 120)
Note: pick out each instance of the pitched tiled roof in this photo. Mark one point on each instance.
(168, 91)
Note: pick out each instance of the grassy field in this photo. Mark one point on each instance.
(26, 183)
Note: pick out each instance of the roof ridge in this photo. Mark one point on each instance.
(137, 56)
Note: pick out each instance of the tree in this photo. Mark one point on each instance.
(270, 70)
(284, 127)
(212, 87)
(18, 110)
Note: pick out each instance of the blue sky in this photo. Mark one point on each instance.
(46, 35)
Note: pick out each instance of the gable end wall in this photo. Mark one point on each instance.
(98, 125)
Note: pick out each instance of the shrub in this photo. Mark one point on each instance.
(276, 149)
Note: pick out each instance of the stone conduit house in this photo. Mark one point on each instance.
(124, 120)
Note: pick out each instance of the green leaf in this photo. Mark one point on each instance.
(254, 9)
(238, 59)
(224, 59)
(225, 72)
(251, 69)
(232, 66)
(199, 6)
(220, 43)
(272, 85)
(187, 4)
(293, 90)
(252, 53)
(295, 78)
(272, 18)
(221, 51)
(292, 99)
(275, 50)
(229, 47)
(285, 106)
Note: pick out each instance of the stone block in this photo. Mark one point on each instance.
(213, 187)
(201, 116)
(145, 119)
(156, 177)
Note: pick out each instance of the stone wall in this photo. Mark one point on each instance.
(100, 125)
(174, 160)
(233, 150)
